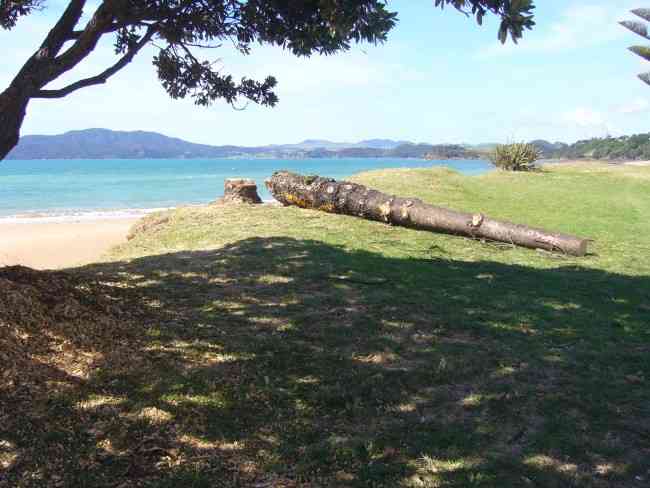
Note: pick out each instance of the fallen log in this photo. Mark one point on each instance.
(348, 198)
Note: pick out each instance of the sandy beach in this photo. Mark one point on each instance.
(55, 245)
(638, 163)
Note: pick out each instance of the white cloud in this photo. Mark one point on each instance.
(579, 26)
(584, 117)
(588, 122)
(635, 106)
(357, 69)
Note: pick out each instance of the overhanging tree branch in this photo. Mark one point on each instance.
(104, 75)
(59, 34)
(36, 69)
(74, 35)
(86, 42)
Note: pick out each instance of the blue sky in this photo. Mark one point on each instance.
(440, 78)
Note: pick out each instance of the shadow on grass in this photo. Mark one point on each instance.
(280, 362)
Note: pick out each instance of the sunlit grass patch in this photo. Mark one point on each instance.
(190, 400)
(8, 453)
(154, 415)
(95, 402)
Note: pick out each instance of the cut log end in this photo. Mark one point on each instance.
(582, 248)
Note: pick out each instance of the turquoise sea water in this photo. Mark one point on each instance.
(78, 188)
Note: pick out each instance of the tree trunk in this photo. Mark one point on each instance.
(13, 106)
(351, 199)
(45, 65)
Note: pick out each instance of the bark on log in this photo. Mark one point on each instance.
(238, 190)
(347, 198)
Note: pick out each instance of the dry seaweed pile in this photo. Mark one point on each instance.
(54, 327)
(149, 223)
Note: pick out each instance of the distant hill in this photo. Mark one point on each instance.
(484, 147)
(624, 148)
(108, 144)
(405, 150)
(313, 144)
(548, 149)
(382, 143)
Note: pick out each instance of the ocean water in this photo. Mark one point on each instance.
(91, 189)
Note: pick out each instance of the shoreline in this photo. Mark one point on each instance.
(638, 163)
(77, 216)
(90, 215)
(42, 241)
(611, 162)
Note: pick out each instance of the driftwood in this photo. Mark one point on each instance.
(347, 198)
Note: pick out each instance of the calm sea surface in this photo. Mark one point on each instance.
(76, 189)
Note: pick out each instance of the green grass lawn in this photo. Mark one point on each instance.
(282, 347)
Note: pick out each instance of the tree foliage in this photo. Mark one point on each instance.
(179, 27)
(11, 10)
(516, 15)
(635, 147)
(641, 29)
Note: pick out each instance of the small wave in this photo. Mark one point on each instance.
(78, 215)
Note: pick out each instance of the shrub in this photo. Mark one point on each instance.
(515, 157)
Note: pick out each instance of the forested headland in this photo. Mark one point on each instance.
(624, 148)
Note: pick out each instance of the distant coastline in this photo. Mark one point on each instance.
(107, 144)
(104, 144)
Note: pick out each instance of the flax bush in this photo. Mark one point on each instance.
(515, 157)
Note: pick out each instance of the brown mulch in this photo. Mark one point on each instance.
(54, 327)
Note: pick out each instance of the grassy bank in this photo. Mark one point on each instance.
(280, 347)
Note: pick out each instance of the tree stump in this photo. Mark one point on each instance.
(240, 190)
